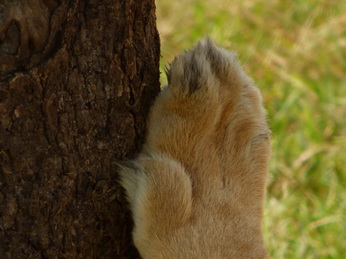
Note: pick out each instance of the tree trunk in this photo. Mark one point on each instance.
(77, 80)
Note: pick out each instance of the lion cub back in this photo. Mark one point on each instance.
(196, 190)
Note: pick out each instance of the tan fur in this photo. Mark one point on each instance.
(197, 188)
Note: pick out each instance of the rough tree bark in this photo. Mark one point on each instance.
(77, 79)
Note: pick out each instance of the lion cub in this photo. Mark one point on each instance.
(196, 189)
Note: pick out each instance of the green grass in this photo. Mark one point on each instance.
(296, 53)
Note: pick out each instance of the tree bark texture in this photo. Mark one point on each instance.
(76, 82)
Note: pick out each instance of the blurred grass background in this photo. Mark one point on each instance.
(296, 53)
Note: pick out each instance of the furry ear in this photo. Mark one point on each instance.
(128, 172)
(190, 71)
(204, 65)
(224, 64)
(218, 60)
